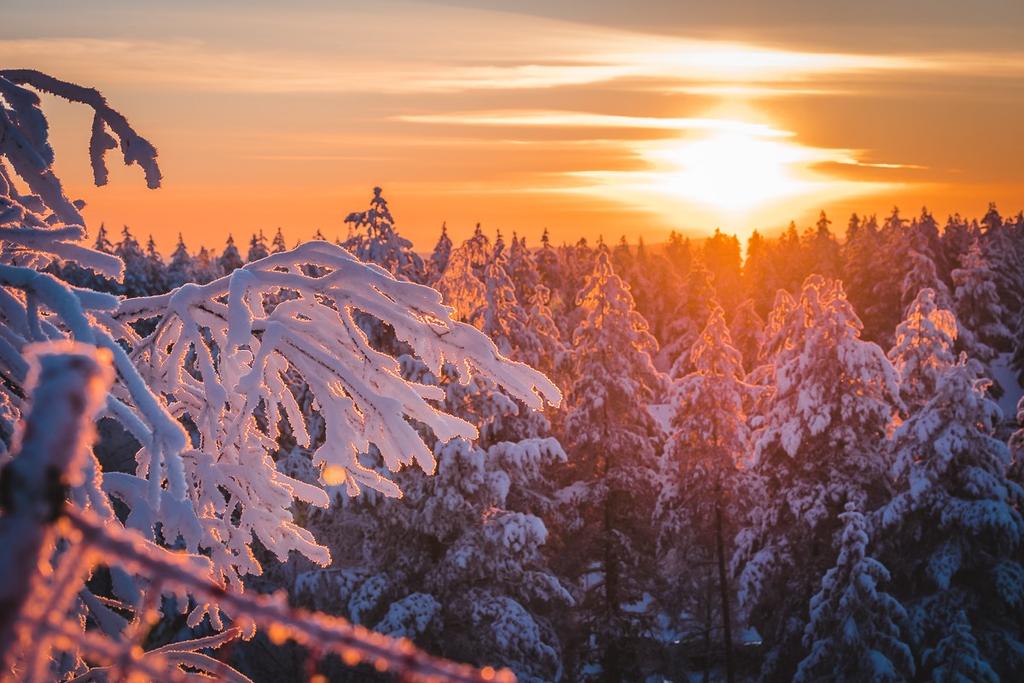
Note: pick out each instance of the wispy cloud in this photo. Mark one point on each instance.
(571, 119)
(491, 54)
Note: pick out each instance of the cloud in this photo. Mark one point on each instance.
(572, 119)
(493, 51)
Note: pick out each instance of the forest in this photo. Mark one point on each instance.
(798, 458)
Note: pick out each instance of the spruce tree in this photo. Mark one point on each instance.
(953, 531)
(854, 632)
(747, 332)
(230, 260)
(181, 267)
(278, 245)
(136, 275)
(613, 441)
(697, 503)
(156, 269)
(257, 248)
(923, 349)
(373, 239)
(978, 306)
(438, 262)
(820, 444)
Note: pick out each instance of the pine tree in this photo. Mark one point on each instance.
(553, 359)
(522, 268)
(613, 442)
(136, 277)
(957, 238)
(955, 659)
(819, 446)
(958, 511)
(923, 349)
(230, 259)
(721, 256)
(460, 286)
(854, 632)
(156, 269)
(821, 249)
(206, 268)
(679, 253)
(373, 239)
(695, 303)
(439, 257)
(550, 269)
(257, 248)
(921, 274)
(697, 502)
(102, 242)
(747, 332)
(278, 245)
(499, 254)
(456, 563)
(502, 318)
(861, 266)
(181, 267)
(760, 277)
(981, 313)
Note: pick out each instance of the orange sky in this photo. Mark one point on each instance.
(581, 117)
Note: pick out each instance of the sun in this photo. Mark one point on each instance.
(732, 171)
(739, 174)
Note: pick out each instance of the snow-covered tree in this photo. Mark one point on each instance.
(206, 267)
(257, 247)
(136, 276)
(278, 245)
(438, 262)
(373, 239)
(697, 504)
(230, 260)
(821, 250)
(552, 355)
(156, 269)
(956, 659)
(613, 446)
(462, 283)
(746, 329)
(181, 267)
(921, 273)
(549, 266)
(695, 303)
(102, 242)
(522, 269)
(854, 633)
(820, 445)
(924, 348)
(979, 308)
(205, 396)
(953, 531)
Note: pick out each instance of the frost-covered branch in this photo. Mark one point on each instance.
(24, 137)
(353, 643)
(69, 382)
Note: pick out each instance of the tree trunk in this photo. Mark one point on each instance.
(723, 588)
(611, 663)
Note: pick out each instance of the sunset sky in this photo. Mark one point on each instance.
(589, 118)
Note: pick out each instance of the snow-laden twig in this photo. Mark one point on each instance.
(353, 643)
(69, 382)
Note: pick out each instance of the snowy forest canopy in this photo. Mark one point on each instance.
(802, 462)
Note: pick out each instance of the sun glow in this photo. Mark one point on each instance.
(732, 171)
